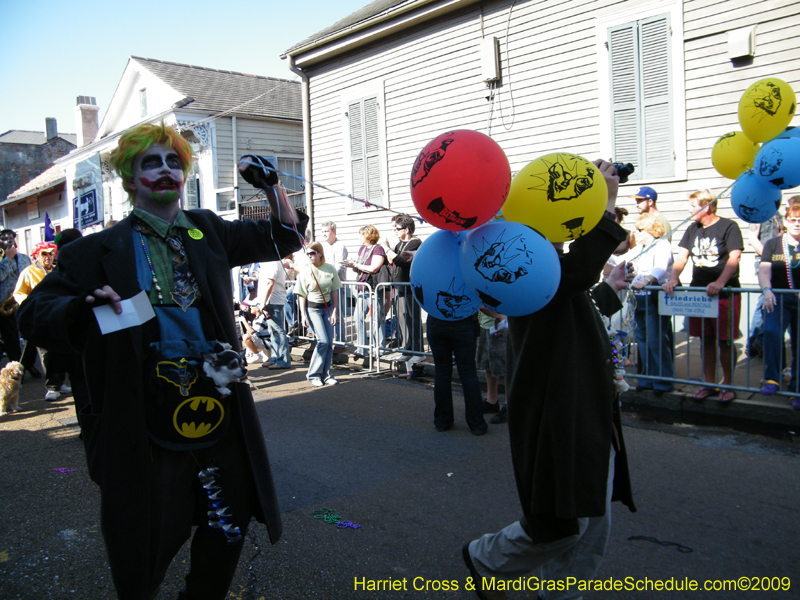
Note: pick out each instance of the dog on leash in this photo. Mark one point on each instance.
(10, 380)
(224, 366)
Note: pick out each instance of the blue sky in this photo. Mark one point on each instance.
(52, 51)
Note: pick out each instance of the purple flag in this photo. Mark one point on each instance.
(49, 232)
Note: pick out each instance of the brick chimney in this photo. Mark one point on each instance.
(51, 128)
(86, 120)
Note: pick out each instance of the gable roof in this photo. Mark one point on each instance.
(46, 180)
(33, 138)
(366, 13)
(219, 91)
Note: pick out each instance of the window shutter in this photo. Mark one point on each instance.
(365, 154)
(625, 102)
(372, 151)
(356, 150)
(656, 93)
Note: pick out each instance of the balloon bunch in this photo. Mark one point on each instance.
(761, 171)
(459, 183)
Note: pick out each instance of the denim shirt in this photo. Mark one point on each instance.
(9, 273)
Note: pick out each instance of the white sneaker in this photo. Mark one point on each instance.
(330, 381)
(263, 357)
(65, 389)
(253, 358)
(53, 395)
(316, 381)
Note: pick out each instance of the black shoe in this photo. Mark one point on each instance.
(416, 374)
(474, 573)
(500, 417)
(34, 372)
(479, 431)
(488, 407)
(444, 427)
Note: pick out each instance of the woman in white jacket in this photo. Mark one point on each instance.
(653, 333)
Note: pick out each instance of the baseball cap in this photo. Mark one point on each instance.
(646, 193)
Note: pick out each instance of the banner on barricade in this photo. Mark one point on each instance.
(688, 304)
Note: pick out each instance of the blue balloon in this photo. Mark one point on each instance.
(752, 200)
(778, 162)
(436, 279)
(789, 132)
(515, 269)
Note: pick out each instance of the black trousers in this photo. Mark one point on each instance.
(177, 502)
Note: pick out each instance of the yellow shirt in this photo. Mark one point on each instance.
(28, 279)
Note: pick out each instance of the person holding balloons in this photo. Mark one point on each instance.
(715, 246)
(563, 414)
(780, 263)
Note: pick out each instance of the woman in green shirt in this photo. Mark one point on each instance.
(318, 307)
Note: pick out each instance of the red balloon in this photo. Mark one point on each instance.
(460, 180)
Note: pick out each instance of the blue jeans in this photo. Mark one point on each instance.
(755, 339)
(775, 324)
(291, 309)
(654, 339)
(448, 339)
(320, 366)
(277, 337)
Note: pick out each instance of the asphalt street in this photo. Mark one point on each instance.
(714, 504)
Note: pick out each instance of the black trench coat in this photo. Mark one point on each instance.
(55, 315)
(562, 409)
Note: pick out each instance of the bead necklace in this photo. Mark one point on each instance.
(152, 269)
(616, 341)
(788, 262)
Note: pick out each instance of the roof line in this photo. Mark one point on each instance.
(176, 64)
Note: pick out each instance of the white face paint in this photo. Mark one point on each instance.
(157, 175)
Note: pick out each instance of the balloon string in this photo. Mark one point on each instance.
(366, 203)
(681, 224)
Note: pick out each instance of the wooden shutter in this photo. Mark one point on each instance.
(365, 155)
(641, 96)
(625, 102)
(656, 93)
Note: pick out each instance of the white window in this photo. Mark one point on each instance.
(143, 102)
(640, 63)
(365, 148)
(295, 188)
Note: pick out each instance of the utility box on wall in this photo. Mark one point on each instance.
(490, 59)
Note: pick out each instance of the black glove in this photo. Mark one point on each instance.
(253, 170)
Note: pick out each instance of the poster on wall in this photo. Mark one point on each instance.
(86, 210)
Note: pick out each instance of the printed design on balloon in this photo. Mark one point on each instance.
(766, 98)
(504, 261)
(488, 300)
(727, 136)
(426, 160)
(573, 228)
(451, 301)
(770, 162)
(748, 213)
(565, 179)
(438, 207)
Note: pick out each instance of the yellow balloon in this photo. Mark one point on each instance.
(562, 196)
(733, 154)
(766, 108)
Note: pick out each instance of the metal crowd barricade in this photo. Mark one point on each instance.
(403, 320)
(689, 353)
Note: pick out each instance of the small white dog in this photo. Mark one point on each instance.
(10, 380)
(224, 366)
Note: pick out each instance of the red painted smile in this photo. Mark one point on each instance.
(163, 184)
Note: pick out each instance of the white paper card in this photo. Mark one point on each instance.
(135, 311)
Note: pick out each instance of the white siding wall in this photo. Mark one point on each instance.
(431, 81)
(262, 137)
(159, 98)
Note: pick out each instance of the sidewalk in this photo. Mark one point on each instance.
(750, 410)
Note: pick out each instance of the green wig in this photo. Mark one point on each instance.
(135, 141)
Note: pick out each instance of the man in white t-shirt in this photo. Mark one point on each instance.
(335, 254)
(271, 298)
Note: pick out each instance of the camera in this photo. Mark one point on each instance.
(624, 170)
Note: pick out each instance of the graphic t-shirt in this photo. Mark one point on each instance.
(773, 253)
(709, 248)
